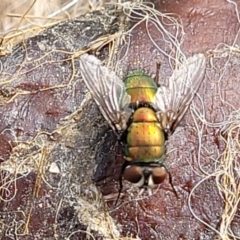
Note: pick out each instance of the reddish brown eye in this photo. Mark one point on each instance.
(159, 174)
(133, 174)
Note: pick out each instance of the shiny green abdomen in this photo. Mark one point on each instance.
(140, 87)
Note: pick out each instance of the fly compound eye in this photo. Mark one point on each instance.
(158, 175)
(134, 175)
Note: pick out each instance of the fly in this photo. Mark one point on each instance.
(142, 113)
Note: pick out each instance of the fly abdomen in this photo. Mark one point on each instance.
(145, 137)
(140, 87)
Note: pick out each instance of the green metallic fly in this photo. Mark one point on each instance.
(141, 113)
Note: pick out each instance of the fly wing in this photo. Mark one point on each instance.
(172, 101)
(108, 91)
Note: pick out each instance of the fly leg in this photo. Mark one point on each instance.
(120, 182)
(156, 78)
(170, 181)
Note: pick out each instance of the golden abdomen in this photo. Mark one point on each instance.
(140, 87)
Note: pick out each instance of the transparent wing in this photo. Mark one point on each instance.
(172, 101)
(107, 90)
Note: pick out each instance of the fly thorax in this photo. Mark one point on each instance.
(144, 114)
(145, 137)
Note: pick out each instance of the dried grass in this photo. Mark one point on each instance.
(20, 20)
(226, 167)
